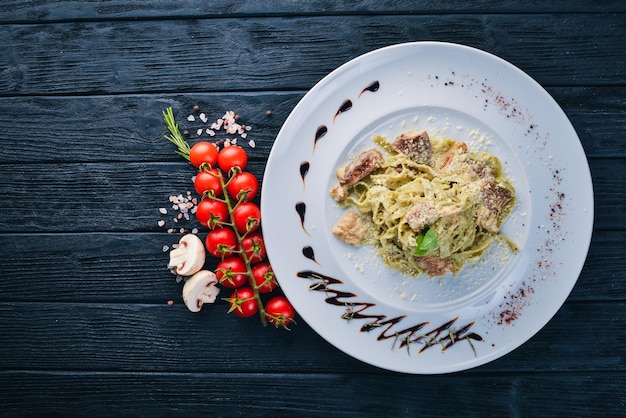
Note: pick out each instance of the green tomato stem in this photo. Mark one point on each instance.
(242, 252)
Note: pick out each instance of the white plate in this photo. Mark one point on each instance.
(425, 325)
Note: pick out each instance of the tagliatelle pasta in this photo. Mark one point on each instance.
(429, 205)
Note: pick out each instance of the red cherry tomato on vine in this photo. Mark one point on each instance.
(247, 217)
(243, 303)
(264, 277)
(279, 311)
(231, 272)
(211, 213)
(254, 247)
(232, 156)
(208, 181)
(203, 153)
(221, 242)
(243, 186)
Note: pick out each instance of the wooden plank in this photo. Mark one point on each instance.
(15, 10)
(200, 54)
(104, 197)
(130, 128)
(131, 268)
(312, 395)
(132, 337)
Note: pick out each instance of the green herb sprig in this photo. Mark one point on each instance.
(176, 137)
(426, 241)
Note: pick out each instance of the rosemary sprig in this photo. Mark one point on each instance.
(176, 137)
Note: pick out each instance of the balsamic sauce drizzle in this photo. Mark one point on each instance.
(389, 326)
(321, 131)
(304, 169)
(301, 209)
(347, 105)
(372, 88)
(308, 253)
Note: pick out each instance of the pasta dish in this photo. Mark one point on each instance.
(429, 205)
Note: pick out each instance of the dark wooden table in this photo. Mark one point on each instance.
(85, 327)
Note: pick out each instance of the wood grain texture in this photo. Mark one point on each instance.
(358, 395)
(47, 10)
(289, 53)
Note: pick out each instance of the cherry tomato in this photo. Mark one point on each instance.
(254, 247)
(232, 156)
(203, 153)
(211, 212)
(264, 277)
(247, 217)
(243, 303)
(221, 242)
(231, 272)
(207, 181)
(243, 186)
(279, 311)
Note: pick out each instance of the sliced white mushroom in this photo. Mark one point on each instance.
(188, 258)
(200, 289)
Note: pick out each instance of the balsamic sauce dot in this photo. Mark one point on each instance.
(304, 169)
(301, 209)
(372, 87)
(321, 131)
(347, 105)
(308, 253)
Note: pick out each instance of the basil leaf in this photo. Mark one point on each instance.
(426, 241)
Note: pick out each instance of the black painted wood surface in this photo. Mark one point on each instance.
(85, 328)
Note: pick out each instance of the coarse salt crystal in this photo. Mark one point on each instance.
(163, 211)
(161, 223)
(191, 118)
(165, 248)
(199, 132)
(203, 117)
(251, 143)
(211, 132)
(244, 135)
